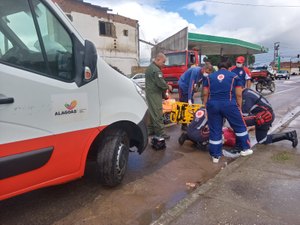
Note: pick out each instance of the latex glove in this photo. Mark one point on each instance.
(267, 116)
(263, 117)
(190, 102)
(260, 121)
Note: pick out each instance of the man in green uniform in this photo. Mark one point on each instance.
(155, 85)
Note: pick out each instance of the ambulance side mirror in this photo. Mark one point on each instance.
(90, 60)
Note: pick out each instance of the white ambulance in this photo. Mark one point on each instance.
(59, 104)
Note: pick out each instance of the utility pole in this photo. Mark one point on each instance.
(297, 64)
(276, 54)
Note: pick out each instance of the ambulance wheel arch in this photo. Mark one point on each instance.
(111, 148)
(112, 158)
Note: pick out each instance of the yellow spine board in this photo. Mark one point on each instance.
(183, 113)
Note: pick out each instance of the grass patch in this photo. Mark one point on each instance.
(282, 157)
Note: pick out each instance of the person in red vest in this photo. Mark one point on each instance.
(242, 71)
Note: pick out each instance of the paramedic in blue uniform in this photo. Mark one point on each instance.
(259, 113)
(189, 82)
(222, 96)
(242, 71)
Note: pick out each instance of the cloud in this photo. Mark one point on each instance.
(257, 24)
(155, 23)
(116, 2)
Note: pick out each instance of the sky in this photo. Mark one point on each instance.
(262, 22)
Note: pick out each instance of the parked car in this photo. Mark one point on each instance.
(139, 78)
(294, 71)
(282, 74)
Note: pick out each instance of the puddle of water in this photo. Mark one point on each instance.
(152, 215)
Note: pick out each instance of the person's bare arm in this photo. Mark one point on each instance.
(238, 94)
(205, 93)
(248, 83)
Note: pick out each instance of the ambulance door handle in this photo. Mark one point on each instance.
(6, 100)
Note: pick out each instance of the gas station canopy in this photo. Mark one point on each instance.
(207, 44)
(214, 45)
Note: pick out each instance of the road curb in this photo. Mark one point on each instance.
(173, 213)
(280, 125)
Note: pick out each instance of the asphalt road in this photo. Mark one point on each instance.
(155, 181)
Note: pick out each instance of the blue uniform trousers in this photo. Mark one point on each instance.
(183, 97)
(217, 111)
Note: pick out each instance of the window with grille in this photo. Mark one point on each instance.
(106, 29)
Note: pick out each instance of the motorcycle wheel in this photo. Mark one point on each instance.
(272, 87)
(259, 87)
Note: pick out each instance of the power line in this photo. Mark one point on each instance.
(255, 5)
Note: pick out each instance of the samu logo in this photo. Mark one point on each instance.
(199, 114)
(70, 109)
(221, 77)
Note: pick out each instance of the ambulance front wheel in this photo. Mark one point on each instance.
(112, 158)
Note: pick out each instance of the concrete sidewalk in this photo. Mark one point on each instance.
(260, 189)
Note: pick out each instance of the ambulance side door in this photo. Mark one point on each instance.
(46, 115)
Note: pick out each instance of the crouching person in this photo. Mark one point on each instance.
(197, 130)
(259, 113)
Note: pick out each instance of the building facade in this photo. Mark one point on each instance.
(116, 37)
(292, 67)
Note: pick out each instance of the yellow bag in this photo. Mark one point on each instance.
(183, 113)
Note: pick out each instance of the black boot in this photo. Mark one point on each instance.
(291, 136)
(182, 138)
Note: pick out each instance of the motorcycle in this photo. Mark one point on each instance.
(264, 83)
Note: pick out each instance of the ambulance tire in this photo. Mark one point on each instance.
(112, 158)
